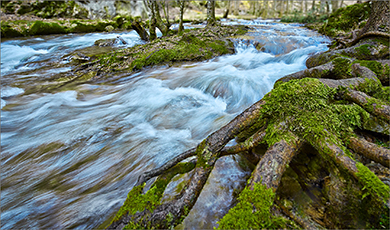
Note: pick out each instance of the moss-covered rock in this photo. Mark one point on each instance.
(44, 28)
(8, 32)
(21, 28)
(193, 45)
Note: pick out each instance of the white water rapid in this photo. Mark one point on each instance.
(69, 158)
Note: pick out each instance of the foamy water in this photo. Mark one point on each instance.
(69, 158)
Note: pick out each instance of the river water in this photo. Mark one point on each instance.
(69, 158)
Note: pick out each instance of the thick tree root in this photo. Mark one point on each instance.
(156, 172)
(370, 150)
(250, 143)
(297, 219)
(140, 30)
(370, 104)
(272, 165)
(322, 71)
(329, 149)
(207, 153)
(366, 35)
(325, 74)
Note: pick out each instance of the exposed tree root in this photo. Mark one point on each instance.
(375, 106)
(300, 221)
(272, 165)
(355, 39)
(372, 151)
(343, 81)
(158, 171)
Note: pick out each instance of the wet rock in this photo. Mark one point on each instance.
(109, 28)
(105, 42)
(110, 42)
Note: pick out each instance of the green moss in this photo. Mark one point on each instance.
(188, 48)
(202, 154)
(383, 94)
(382, 72)
(82, 28)
(303, 107)
(136, 201)
(43, 28)
(346, 19)
(8, 32)
(342, 68)
(372, 183)
(363, 52)
(369, 86)
(253, 211)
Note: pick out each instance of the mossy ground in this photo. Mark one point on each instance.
(192, 45)
(20, 28)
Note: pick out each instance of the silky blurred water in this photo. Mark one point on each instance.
(69, 158)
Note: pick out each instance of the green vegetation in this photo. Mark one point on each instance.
(346, 19)
(30, 28)
(342, 67)
(137, 201)
(305, 105)
(193, 45)
(43, 28)
(371, 182)
(299, 17)
(253, 211)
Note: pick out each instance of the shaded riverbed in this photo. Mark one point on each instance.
(69, 158)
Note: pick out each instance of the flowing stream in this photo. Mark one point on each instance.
(69, 158)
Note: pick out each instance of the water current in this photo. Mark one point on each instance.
(69, 158)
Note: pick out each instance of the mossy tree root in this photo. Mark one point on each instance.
(344, 42)
(335, 150)
(207, 152)
(284, 132)
(371, 151)
(266, 177)
(144, 177)
(370, 104)
(272, 165)
(141, 31)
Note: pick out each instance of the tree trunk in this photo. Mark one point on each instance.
(236, 8)
(287, 7)
(306, 5)
(227, 11)
(370, 150)
(182, 6)
(210, 12)
(379, 20)
(313, 5)
(327, 7)
(335, 5)
(135, 25)
(265, 12)
(275, 8)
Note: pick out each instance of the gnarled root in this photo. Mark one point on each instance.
(370, 150)
(272, 165)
